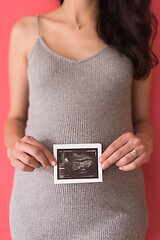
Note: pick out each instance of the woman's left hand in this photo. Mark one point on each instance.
(119, 152)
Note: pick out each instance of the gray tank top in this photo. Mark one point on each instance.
(84, 101)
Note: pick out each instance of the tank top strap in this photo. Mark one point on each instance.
(37, 25)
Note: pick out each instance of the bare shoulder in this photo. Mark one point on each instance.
(23, 26)
(23, 33)
(22, 22)
(20, 36)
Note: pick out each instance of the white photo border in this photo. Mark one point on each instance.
(79, 146)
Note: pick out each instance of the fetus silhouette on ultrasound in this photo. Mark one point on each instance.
(78, 164)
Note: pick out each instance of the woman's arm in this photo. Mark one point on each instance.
(24, 152)
(140, 106)
(18, 84)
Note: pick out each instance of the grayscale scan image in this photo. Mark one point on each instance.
(77, 163)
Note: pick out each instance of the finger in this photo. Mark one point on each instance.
(27, 159)
(119, 154)
(20, 165)
(125, 160)
(33, 151)
(129, 156)
(119, 142)
(133, 165)
(50, 157)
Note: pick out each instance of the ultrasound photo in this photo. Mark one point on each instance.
(77, 163)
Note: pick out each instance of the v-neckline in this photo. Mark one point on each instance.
(68, 59)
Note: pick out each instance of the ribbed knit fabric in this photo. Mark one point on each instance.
(85, 101)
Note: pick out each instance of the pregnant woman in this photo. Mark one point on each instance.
(81, 74)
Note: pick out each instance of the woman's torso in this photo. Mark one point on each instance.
(71, 101)
(85, 101)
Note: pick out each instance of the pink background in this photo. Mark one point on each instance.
(12, 11)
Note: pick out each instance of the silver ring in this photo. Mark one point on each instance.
(134, 153)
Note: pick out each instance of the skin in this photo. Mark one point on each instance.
(24, 151)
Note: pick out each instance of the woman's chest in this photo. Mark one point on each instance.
(106, 77)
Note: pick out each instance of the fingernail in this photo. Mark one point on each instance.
(120, 168)
(101, 165)
(48, 167)
(53, 163)
(100, 160)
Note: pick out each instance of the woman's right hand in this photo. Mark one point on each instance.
(28, 154)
